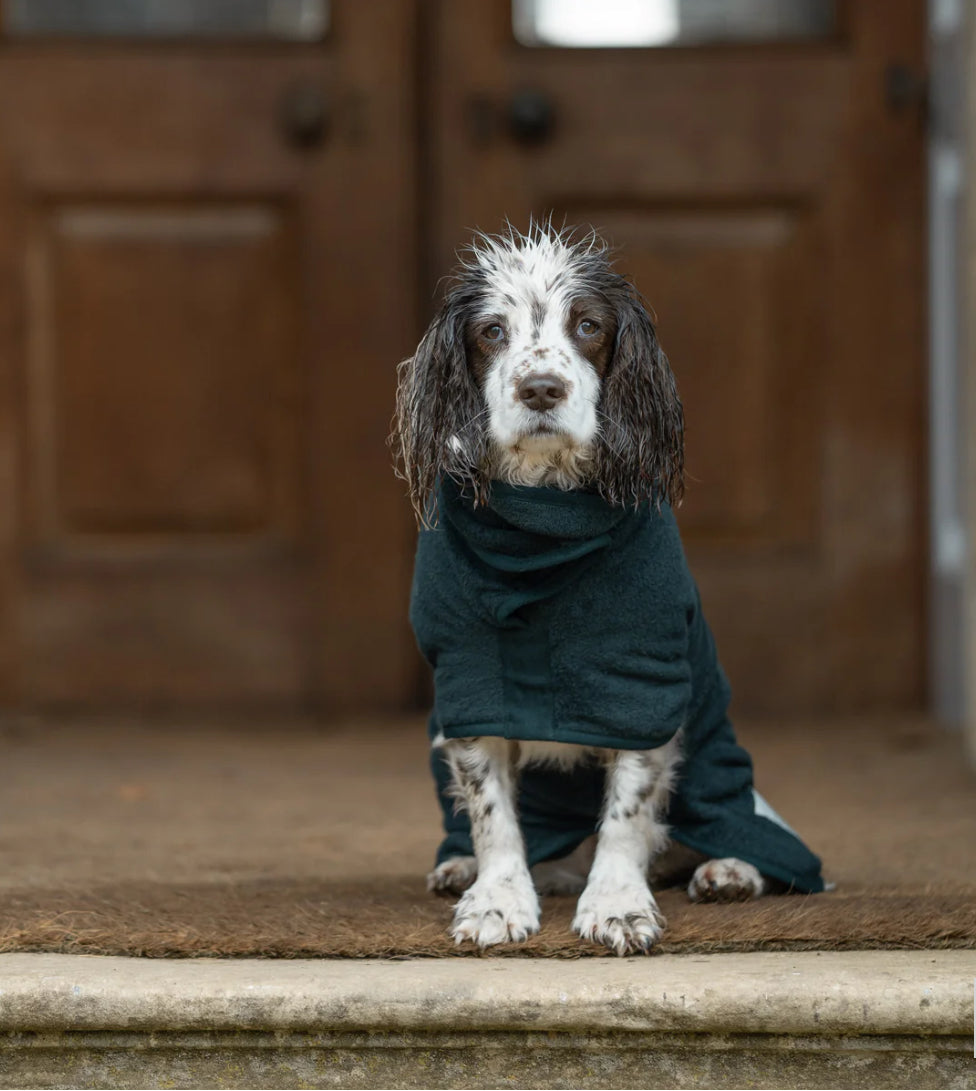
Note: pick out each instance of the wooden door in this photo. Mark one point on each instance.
(767, 199)
(206, 260)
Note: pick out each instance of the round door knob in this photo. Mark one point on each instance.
(303, 115)
(531, 117)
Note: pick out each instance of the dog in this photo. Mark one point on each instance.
(539, 402)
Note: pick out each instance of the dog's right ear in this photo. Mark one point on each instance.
(641, 451)
(438, 427)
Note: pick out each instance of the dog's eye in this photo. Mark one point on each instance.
(587, 328)
(493, 333)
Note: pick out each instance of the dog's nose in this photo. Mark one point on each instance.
(541, 392)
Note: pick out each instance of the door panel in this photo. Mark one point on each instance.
(200, 389)
(168, 335)
(730, 285)
(769, 206)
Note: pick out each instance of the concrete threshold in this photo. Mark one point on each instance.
(875, 1019)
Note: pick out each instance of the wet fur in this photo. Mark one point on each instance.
(441, 424)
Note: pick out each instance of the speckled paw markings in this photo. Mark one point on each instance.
(490, 917)
(602, 919)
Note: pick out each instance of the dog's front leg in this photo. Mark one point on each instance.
(617, 907)
(501, 904)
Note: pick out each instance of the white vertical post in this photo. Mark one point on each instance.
(948, 416)
(967, 355)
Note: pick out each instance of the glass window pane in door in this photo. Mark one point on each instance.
(294, 20)
(645, 23)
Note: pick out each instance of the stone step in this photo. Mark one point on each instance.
(874, 1019)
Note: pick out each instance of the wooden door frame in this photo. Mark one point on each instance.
(952, 638)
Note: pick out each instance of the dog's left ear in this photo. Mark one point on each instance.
(438, 427)
(640, 455)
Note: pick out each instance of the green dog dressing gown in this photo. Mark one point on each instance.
(552, 615)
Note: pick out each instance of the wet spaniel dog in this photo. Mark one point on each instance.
(523, 378)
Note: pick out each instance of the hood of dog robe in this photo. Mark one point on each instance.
(552, 615)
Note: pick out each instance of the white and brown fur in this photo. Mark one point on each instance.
(543, 368)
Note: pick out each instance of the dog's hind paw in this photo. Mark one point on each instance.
(627, 921)
(453, 876)
(504, 911)
(726, 880)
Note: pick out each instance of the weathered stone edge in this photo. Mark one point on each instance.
(832, 993)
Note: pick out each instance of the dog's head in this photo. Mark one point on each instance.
(542, 367)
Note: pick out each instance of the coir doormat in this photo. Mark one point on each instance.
(396, 918)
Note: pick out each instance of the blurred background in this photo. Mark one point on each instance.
(223, 222)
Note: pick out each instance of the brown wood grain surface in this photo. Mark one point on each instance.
(200, 325)
(200, 321)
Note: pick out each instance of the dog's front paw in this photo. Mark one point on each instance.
(453, 876)
(726, 880)
(499, 911)
(625, 919)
